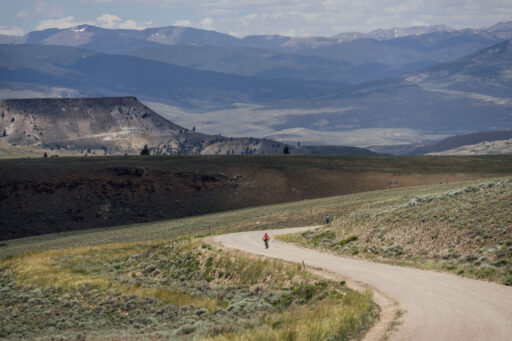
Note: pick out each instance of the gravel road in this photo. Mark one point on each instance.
(437, 306)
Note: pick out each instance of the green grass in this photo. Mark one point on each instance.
(465, 230)
(477, 165)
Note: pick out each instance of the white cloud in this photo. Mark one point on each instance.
(41, 9)
(108, 20)
(205, 24)
(57, 23)
(183, 23)
(11, 31)
(133, 25)
(23, 14)
(305, 17)
(41, 6)
(96, 1)
(105, 21)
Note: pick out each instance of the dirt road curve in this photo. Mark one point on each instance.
(437, 306)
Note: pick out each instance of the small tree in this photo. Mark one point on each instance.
(194, 128)
(45, 155)
(145, 151)
(286, 150)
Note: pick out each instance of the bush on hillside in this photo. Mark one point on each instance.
(145, 151)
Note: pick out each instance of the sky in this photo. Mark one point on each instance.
(299, 18)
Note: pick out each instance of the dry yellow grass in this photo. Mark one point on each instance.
(44, 269)
(323, 321)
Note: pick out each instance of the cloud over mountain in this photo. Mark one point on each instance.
(105, 21)
(241, 17)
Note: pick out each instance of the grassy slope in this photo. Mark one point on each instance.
(482, 148)
(467, 231)
(39, 196)
(300, 213)
(178, 289)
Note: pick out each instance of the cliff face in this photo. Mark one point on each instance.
(81, 124)
(110, 126)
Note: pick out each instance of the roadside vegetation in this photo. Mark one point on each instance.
(465, 230)
(181, 289)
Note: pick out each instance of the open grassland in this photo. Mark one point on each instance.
(25, 152)
(466, 230)
(138, 281)
(40, 196)
(10, 153)
(180, 289)
(300, 213)
(483, 164)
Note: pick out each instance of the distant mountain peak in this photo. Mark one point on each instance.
(392, 33)
(124, 40)
(500, 26)
(80, 28)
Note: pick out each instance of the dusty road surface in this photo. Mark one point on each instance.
(437, 306)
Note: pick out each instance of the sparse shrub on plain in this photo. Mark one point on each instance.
(470, 258)
(465, 228)
(348, 240)
(145, 150)
(158, 289)
(394, 251)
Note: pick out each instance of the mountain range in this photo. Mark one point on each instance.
(469, 94)
(474, 92)
(348, 57)
(122, 40)
(393, 86)
(96, 74)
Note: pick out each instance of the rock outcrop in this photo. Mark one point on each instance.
(110, 126)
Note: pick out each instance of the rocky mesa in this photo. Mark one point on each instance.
(110, 126)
